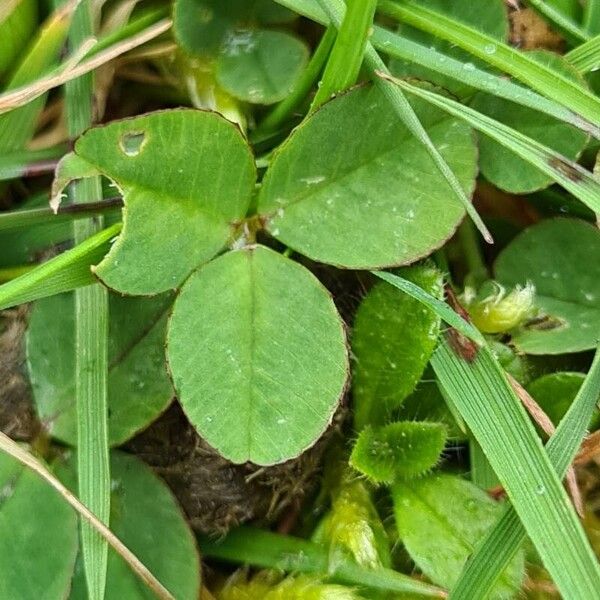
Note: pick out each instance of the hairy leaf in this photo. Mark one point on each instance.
(398, 451)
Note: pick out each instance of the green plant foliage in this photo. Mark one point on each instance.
(269, 363)
(18, 19)
(147, 519)
(440, 520)
(501, 166)
(398, 451)
(269, 585)
(555, 393)
(561, 257)
(18, 126)
(261, 66)
(492, 21)
(353, 187)
(255, 65)
(353, 527)
(139, 388)
(181, 202)
(38, 536)
(426, 403)
(204, 27)
(392, 340)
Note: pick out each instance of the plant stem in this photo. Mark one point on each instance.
(91, 345)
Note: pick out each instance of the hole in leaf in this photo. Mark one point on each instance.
(132, 143)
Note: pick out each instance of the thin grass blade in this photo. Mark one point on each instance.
(335, 10)
(497, 419)
(586, 57)
(561, 22)
(67, 271)
(504, 540)
(574, 178)
(541, 78)
(347, 54)
(268, 550)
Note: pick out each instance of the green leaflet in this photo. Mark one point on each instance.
(347, 188)
(181, 200)
(440, 519)
(393, 338)
(38, 535)
(561, 257)
(253, 64)
(269, 363)
(139, 388)
(556, 392)
(262, 66)
(401, 450)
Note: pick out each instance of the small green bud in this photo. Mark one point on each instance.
(494, 310)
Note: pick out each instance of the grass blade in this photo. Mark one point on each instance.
(401, 106)
(67, 71)
(17, 128)
(440, 308)
(268, 550)
(91, 339)
(68, 271)
(586, 57)
(36, 216)
(28, 460)
(574, 178)
(29, 163)
(346, 57)
(591, 17)
(396, 46)
(483, 396)
(538, 76)
(504, 540)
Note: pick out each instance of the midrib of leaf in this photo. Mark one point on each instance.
(138, 339)
(335, 11)
(91, 339)
(545, 80)
(502, 542)
(499, 422)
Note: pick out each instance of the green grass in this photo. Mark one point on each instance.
(286, 203)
